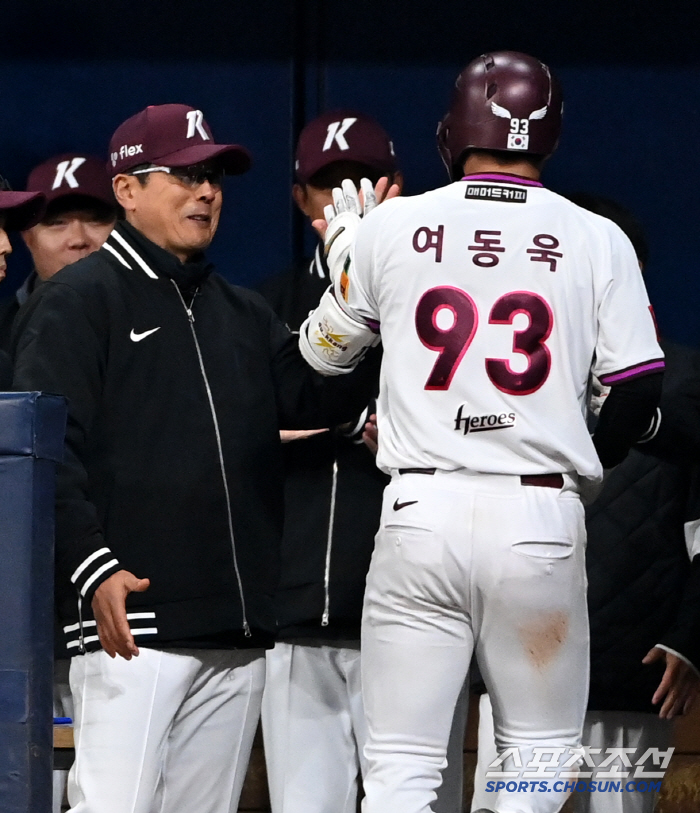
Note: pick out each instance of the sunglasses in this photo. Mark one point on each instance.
(191, 176)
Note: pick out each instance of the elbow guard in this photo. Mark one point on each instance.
(331, 341)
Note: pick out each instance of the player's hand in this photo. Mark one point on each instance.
(109, 607)
(679, 685)
(599, 392)
(371, 434)
(288, 435)
(347, 198)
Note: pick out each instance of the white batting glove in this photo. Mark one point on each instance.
(343, 218)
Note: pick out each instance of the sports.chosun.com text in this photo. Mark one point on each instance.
(581, 786)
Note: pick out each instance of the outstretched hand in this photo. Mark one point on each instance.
(679, 685)
(370, 436)
(109, 607)
(367, 199)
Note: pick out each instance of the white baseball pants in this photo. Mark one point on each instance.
(450, 794)
(166, 732)
(466, 562)
(601, 729)
(622, 729)
(314, 727)
(486, 754)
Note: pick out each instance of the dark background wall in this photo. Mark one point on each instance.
(71, 72)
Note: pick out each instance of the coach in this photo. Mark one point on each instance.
(169, 505)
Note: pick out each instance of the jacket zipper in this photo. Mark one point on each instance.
(190, 316)
(329, 544)
(81, 644)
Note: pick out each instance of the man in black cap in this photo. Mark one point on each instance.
(312, 715)
(18, 210)
(169, 506)
(80, 213)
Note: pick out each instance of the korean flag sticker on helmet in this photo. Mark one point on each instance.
(518, 141)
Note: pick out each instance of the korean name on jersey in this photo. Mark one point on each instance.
(496, 299)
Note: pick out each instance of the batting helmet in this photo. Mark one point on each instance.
(505, 101)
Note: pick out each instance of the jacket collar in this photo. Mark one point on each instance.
(27, 288)
(138, 253)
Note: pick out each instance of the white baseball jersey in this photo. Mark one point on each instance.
(496, 299)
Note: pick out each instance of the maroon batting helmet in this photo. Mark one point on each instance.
(504, 101)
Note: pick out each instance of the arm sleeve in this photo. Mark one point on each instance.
(308, 400)
(71, 363)
(626, 415)
(677, 438)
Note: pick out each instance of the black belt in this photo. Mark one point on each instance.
(539, 480)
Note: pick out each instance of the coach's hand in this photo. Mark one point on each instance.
(109, 607)
(679, 686)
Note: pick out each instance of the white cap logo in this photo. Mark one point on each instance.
(194, 124)
(64, 172)
(336, 132)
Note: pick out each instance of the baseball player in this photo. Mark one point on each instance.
(80, 213)
(495, 300)
(312, 714)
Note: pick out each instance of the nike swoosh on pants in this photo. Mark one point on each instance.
(399, 505)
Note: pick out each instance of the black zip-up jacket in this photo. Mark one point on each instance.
(5, 372)
(173, 377)
(9, 308)
(8, 311)
(333, 499)
(642, 588)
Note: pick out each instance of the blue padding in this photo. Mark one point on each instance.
(32, 424)
(13, 696)
(32, 429)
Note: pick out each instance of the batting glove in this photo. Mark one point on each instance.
(343, 217)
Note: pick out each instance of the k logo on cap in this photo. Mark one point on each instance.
(343, 135)
(65, 172)
(72, 173)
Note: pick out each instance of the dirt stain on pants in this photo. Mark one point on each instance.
(543, 638)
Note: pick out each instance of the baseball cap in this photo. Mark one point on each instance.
(171, 135)
(343, 135)
(21, 210)
(72, 173)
